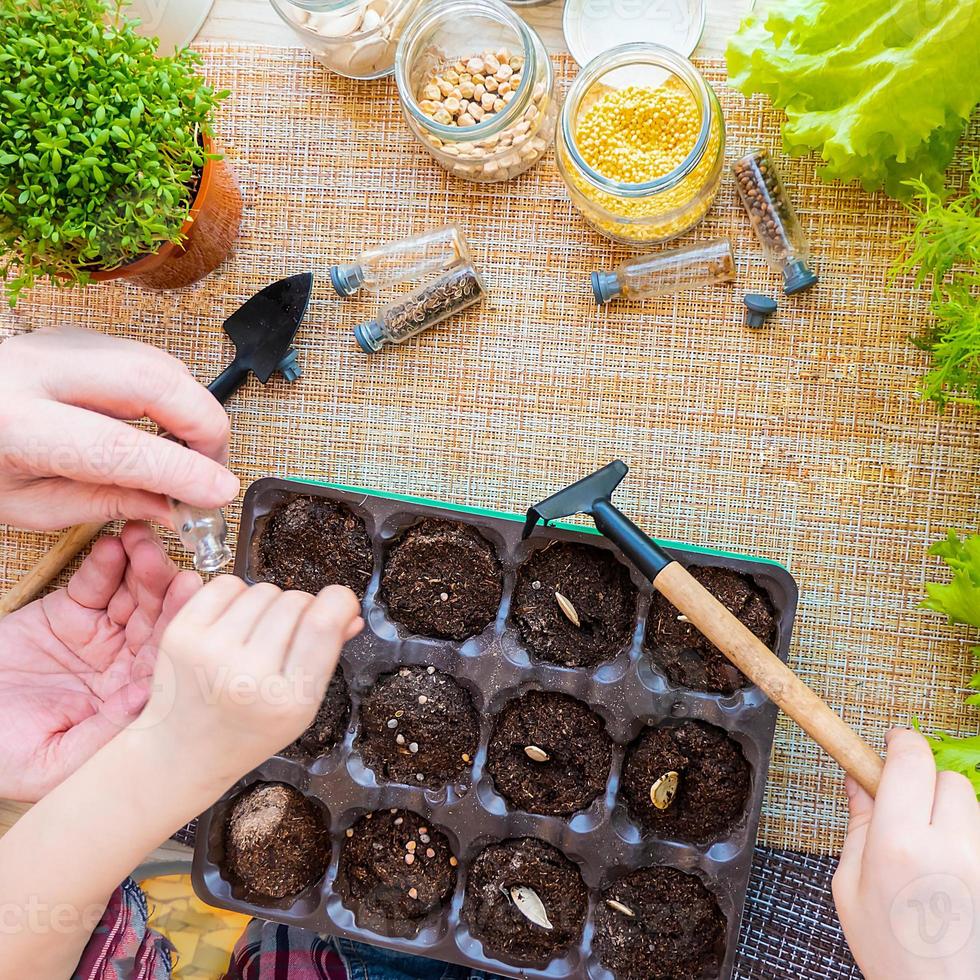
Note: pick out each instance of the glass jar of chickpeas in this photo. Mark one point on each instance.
(640, 144)
(477, 88)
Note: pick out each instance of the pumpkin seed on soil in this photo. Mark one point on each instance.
(599, 589)
(714, 781)
(429, 737)
(328, 728)
(677, 931)
(572, 736)
(386, 876)
(442, 579)
(276, 843)
(686, 657)
(309, 543)
(494, 918)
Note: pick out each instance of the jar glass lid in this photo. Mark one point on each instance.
(594, 26)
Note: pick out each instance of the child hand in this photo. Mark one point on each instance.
(75, 666)
(65, 456)
(241, 672)
(908, 886)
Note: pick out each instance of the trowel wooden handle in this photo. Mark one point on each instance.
(744, 649)
(73, 541)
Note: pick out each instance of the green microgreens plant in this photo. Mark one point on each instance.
(100, 141)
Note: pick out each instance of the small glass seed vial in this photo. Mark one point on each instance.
(204, 533)
(408, 260)
(448, 294)
(774, 221)
(663, 273)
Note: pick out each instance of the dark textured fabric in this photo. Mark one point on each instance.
(790, 930)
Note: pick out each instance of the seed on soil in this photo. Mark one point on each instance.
(413, 893)
(413, 747)
(565, 605)
(430, 670)
(423, 837)
(398, 821)
(420, 776)
(400, 739)
(536, 586)
(410, 859)
(350, 833)
(530, 906)
(535, 754)
(453, 862)
(444, 596)
(663, 791)
(682, 619)
(393, 723)
(400, 713)
(619, 907)
(466, 757)
(429, 853)
(411, 845)
(423, 699)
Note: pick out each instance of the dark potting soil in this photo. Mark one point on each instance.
(309, 543)
(676, 932)
(416, 723)
(395, 871)
(600, 591)
(574, 739)
(712, 788)
(493, 916)
(684, 655)
(276, 843)
(328, 728)
(442, 579)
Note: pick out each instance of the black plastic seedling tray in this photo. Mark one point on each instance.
(627, 692)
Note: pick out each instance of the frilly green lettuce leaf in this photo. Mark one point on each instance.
(958, 755)
(880, 89)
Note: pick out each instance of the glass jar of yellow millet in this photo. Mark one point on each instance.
(640, 144)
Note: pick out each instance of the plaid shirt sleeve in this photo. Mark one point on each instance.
(122, 946)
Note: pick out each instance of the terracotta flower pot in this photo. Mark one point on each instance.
(209, 233)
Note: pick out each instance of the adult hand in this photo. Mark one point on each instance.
(241, 673)
(908, 885)
(66, 456)
(76, 666)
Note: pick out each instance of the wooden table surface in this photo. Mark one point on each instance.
(255, 21)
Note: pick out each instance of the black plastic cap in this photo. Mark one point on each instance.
(798, 276)
(758, 308)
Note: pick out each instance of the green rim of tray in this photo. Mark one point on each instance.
(506, 516)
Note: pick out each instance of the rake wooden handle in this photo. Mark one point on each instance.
(744, 649)
(73, 541)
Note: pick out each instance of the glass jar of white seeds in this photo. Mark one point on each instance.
(356, 38)
(477, 88)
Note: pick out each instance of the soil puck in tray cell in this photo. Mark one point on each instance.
(276, 843)
(442, 579)
(686, 782)
(395, 871)
(574, 605)
(418, 722)
(659, 924)
(690, 660)
(309, 543)
(328, 727)
(549, 754)
(525, 901)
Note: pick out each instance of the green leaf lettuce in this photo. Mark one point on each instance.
(880, 89)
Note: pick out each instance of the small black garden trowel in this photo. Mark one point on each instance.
(262, 330)
(743, 648)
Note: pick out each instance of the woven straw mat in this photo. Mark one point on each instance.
(802, 442)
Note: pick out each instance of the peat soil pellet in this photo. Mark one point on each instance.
(531, 875)
(574, 605)
(395, 871)
(419, 727)
(676, 647)
(659, 924)
(276, 843)
(442, 579)
(328, 728)
(712, 782)
(549, 753)
(309, 543)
